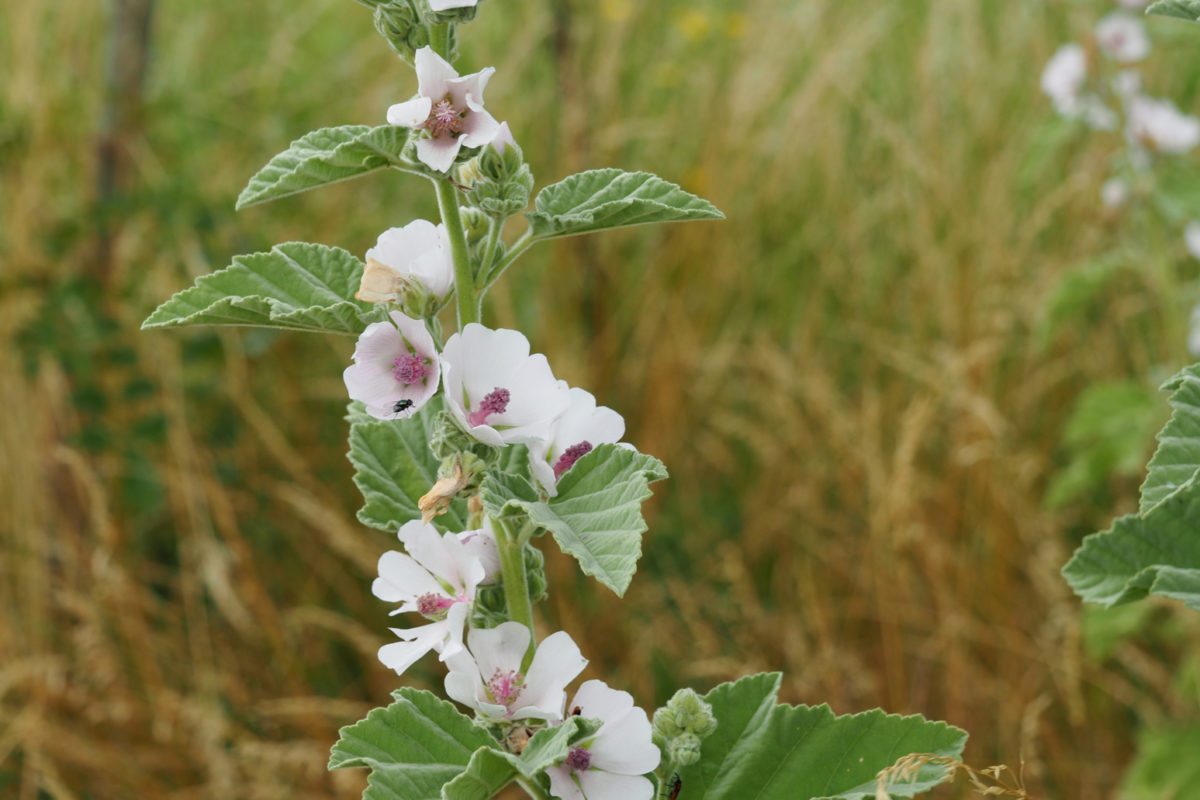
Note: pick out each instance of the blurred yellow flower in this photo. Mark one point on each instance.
(694, 24)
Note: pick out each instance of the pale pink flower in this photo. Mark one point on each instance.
(496, 390)
(395, 369)
(1161, 126)
(487, 675)
(436, 579)
(572, 436)
(1123, 37)
(612, 764)
(416, 255)
(1064, 76)
(448, 107)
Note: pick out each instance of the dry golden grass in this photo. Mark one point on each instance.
(842, 379)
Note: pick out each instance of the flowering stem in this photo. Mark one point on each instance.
(439, 39)
(489, 250)
(464, 282)
(516, 587)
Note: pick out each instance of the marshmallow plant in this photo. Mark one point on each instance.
(471, 451)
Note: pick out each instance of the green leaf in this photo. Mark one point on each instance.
(1166, 767)
(762, 750)
(394, 467)
(325, 156)
(413, 747)
(597, 515)
(610, 198)
(1153, 553)
(1180, 9)
(297, 286)
(491, 769)
(1177, 458)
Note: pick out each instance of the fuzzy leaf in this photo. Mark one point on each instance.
(296, 286)
(324, 156)
(491, 770)
(413, 747)
(762, 750)
(1180, 9)
(597, 515)
(610, 198)
(393, 467)
(1157, 552)
(1177, 458)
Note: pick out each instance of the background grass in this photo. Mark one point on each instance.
(851, 380)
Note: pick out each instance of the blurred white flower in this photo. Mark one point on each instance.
(498, 391)
(447, 107)
(1064, 77)
(1115, 193)
(1159, 125)
(1063, 81)
(436, 579)
(487, 675)
(417, 254)
(395, 369)
(443, 5)
(1127, 84)
(1123, 37)
(613, 763)
(573, 435)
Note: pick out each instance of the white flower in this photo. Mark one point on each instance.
(395, 369)
(448, 107)
(1115, 193)
(1123, 37)
(444, 5)
(487, 675)
(1127, 84)
(574, 434)
(1064, 76)
(498, 391)
(437, 579)
(418, 253)
(1160, 125)
(503, 138)
(611, 765)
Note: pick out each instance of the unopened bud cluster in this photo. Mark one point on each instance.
(498, 181)
(681, 725)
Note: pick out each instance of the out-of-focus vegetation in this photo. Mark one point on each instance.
(861, 381)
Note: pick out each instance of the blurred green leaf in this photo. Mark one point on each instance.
(770, 751)
(1076, 294)
(297, 286)
(1109, 431)
(413, 747)
(610, 198)
(596, 516)
(394, 467)
(1180, 9)
(1166, 766)
(325, 156)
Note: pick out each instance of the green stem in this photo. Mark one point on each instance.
(516, 587)
(439, 39)
(489, 250)
(464, 282)
(519, 246)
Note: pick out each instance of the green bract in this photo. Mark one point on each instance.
(1180, 9)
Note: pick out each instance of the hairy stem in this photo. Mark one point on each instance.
(516, 587)
(519, 247)
(465, 292)
(533, 789)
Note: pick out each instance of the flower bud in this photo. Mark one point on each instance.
(498, 180)
(681, 725)
(398, 22)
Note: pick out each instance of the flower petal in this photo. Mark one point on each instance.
(600, 785)
(439, 154)
(625, 745)
(410, 113)
(434, 74)
(563, 785)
